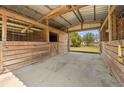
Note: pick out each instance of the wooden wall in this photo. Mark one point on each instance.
(20, 53)
(16, 54)
(110, 54)
(63, 42)
(18, 48)
(60, 46)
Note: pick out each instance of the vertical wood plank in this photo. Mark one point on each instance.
(47, 31)
(68, 45)
(4, 37)
(4, 27)
(114, 27)
(110, 23)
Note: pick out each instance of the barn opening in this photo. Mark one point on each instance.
(85, 41)
(34, 46)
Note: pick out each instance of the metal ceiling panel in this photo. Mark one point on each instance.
(37, 11)
(23, 10)
(70, 16)
(40, 8)
(55, 24)
(87, 12)
(101, 12)
(53, 6)
(60, 20)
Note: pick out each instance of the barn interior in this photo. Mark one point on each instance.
(34, 46)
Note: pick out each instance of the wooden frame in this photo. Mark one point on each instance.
(108, 19)
(14, 15)
(84, 29)
(4, 37)
(60, 10)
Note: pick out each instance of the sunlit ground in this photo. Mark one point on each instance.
(86, 49)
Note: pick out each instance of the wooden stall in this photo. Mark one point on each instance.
(113, 47)
(25, 41)
(110, 55)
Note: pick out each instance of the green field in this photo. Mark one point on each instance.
(85, 49)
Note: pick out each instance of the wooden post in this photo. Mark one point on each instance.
(68, 45)
(114, 26)
(100, 40)
(4, 35)
(110, 23)
(47, 31)
(4, 28)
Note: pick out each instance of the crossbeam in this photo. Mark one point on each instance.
(14, 15)
(84, 29)
(106, 19)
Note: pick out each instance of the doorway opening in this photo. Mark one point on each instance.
(85, 41)
(53, 37)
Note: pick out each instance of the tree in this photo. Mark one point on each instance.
(96, 38)
(75, 39)
(88, 38)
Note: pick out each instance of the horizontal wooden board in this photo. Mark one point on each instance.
(110, 53)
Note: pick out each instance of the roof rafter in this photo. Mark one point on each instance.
(56, 12)
(60, 11)
(59, 16)
(15, 15)
(106, 19)
(74, 11)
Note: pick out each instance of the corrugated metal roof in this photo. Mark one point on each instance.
(40, 8)
(59, 19)
(38, 11)
(23, 10)
(71, 17)
(53, 6)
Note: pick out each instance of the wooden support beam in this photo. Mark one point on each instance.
(106, 19)
(4, 27)
(74, 11)
(4, 38)
(87, 22)
(47, 31)
(68, 45)
(59, 16)
(61, 10)
(103, 24)
(65, 20)
(14, 15)
(110, 23)
(77, 16)
(114, 26)
(54, 12)
(82, 20)
(94, 12)
(84, 29)
(46, 17)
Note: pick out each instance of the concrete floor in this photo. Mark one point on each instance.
(70, 69)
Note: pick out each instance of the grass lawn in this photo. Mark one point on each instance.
(85, 49)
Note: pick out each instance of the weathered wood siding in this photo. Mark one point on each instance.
(63, 40)
(21, 53)
(110, 54)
